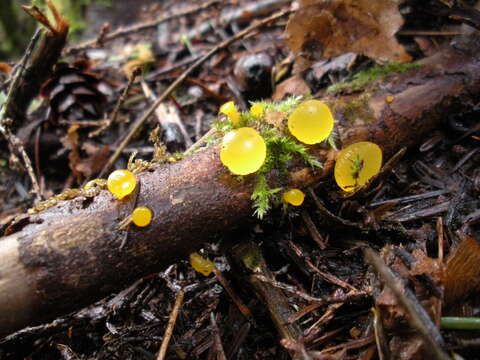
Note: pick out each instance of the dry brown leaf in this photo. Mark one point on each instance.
(294, 85)
(94, 163)
(463, 272)
(325, 28)
(71, 141)
(5, 68)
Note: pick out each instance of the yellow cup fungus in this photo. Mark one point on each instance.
(243, 151)
(230, 110)
(257, 110)
(200, 264)
(311, 122)
(357, 164)
(121, 183)
(294, 197)
(142, 216)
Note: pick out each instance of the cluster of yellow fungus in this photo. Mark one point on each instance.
(243, 151)
(142, 216)
(257, 110)
(201, 265)
(230, 110)
(311, 122)
(294, 197)
(121, 183)
(357, 164)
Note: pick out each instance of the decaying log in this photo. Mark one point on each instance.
(69, 255)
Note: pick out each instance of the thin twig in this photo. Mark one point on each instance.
(330, 217)
(139, 123)
(171, 323)
(244, 309)
(118, 105)
(380, 338)
(332, 278)
(411, 198)
(312, 229)
(200, 142)
(140, 27)
(440, 239)
(418, 317)
(216, 339)
(18, 72)
(17, 146)
(14, 141)
(123, 97)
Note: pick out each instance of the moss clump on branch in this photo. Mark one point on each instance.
(269, 119)
(363, 78)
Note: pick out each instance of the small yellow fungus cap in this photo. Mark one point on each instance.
(243, 151)
(357, 164)
(231, 111)
(294, 197)
(142, 216)
(200, 264)
(121, 183)
(311, 122)
(257, 110)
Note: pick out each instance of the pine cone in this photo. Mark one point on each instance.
(74, 93)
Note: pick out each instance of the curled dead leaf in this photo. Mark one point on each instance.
(326, 28)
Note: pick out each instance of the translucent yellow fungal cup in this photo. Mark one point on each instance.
(201, 265)
(257, 110)
(294, 197)
(243, 151)
(142, 216)
(311, 122)
(357, 164)
(230, 110)
(121, 183)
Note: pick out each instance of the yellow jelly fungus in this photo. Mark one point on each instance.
(294, 197)
(121, 183)
(231, 111)
(357, 164)
(201, 265)
(142, 216)
(243, 151)
(311, 122)
(257, 110)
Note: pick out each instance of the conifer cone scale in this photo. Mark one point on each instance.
(74, 93)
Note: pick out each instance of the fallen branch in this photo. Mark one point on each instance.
(69, 255)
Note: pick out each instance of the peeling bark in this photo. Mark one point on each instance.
(69, 255)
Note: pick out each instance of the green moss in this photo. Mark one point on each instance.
(353, 109)
(363, 78)
(281, 148)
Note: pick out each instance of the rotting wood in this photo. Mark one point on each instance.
(69, 255)
(38, 66)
